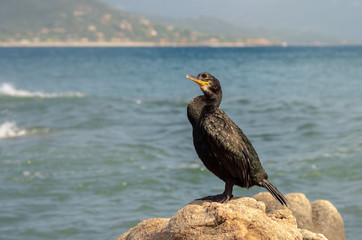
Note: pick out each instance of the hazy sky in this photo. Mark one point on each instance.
(338, 18)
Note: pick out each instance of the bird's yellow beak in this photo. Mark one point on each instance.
(199, 82)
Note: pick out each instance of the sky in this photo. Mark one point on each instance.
(337, 18)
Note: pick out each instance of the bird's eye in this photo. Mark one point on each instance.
(203, 75)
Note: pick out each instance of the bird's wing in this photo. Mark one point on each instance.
(230, 145)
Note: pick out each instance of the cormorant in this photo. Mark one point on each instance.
(221, 145)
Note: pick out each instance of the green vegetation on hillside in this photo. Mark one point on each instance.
(87, 20)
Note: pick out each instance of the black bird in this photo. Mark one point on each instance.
(221, 145)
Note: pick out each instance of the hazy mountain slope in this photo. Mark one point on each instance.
(82, 20)
(339, 19)
(218, 26)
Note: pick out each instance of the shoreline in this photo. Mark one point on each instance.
(155, 44)
(127, 44)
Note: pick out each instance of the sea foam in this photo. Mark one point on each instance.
(9, 90)
(10, 130)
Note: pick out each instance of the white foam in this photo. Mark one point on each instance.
(9, 90)
(10, 130)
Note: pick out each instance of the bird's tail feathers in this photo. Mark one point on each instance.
(275, 192)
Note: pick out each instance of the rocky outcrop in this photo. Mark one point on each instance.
(147, 229)
(240, 218)
(319, 216)
(327, 220)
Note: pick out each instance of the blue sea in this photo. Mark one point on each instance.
(95, 140)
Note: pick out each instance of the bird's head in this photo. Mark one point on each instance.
(209, 85)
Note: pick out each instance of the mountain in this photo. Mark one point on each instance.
(339, 19)
(83, 21)
(88, 20)
(222, 27)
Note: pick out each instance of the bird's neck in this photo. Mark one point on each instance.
(198, 105)
(212, 98)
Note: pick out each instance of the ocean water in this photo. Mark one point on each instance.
(94, 140)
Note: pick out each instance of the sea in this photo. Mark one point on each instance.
(95, 140)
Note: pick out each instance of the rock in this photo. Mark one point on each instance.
(240, 218)
(327, 220)
(147, 229)
(319, 217)
(298, 203)
(308, 235)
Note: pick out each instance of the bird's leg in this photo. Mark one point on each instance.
(228, 192)
(224, 197)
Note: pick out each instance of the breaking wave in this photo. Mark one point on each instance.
(11, 130)
(7, 89)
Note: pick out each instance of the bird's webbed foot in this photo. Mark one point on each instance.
(221, 198)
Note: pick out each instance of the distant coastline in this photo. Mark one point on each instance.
(127, 44)
(158, 44)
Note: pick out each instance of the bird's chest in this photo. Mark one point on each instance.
(200, 143)
(203, 148)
